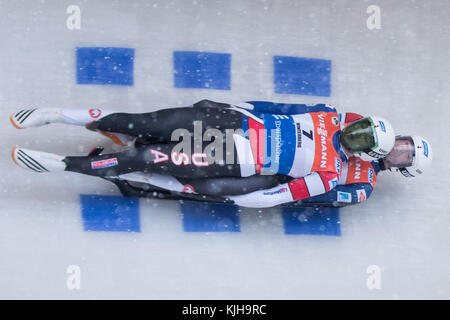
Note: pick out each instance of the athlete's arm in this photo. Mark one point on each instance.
(343, 195)
(126, 189)
(268, 107)
(311, 185)
(205, 103)
(220, 186)
(285, 108)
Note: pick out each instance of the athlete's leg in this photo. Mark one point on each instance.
(162, 123)
(154, 126)
(156, 158)
(233, 185)
(84, 117)
(39, 117)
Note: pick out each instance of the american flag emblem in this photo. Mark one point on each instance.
(104, 163)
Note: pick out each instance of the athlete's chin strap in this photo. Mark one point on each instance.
(381, 164)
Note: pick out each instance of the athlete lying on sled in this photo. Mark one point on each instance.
(409, 157)
(300, 149)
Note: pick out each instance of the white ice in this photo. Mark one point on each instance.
(400, 72)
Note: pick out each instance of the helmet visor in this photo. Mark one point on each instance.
(403, 153)
(359, 136)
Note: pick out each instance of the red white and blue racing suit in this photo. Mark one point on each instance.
(300, 151)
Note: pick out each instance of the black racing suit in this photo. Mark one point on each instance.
(153, 131)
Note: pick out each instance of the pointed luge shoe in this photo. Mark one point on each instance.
(37, 161)
(34, 117)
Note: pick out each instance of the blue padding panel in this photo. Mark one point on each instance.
(317, 221)
(293, 75)
(204, 70)
(210, 217)
(110, 213)
(110, 66)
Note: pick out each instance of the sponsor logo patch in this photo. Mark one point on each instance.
(333, 183)
(344, 197)
(188, 188)
(104, 163)
(383, 128)
(335, 121)
(337, 165)
(361, 194)
(375, 155)
(269, 193)
(299, 135)
(323, 133)
(370, 175)
(425, 148)
(405, 172)
(357, 169)
(95, 113)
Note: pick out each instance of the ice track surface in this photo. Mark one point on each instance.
(400, 72)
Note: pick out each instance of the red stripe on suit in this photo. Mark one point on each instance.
(298, 188)
(257, 136)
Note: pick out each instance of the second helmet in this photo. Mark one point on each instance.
(370, 138)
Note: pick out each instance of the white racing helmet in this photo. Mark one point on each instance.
(370, 138)
(413, 162)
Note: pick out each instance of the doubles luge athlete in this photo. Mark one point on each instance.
(301, 148)
(410, 157)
